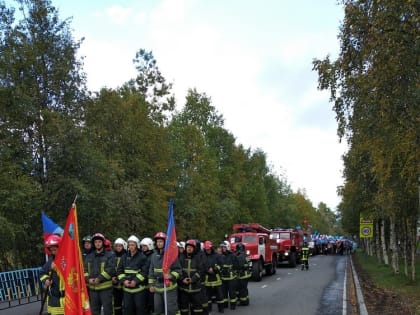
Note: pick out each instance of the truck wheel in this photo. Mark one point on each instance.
(271, 268)
(257, 271)
(292, 260)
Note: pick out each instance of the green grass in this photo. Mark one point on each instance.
(383, 276)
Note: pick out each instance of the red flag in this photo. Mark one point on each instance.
(70, 269)
(171, 250)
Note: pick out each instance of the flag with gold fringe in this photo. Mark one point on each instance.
(69, 264)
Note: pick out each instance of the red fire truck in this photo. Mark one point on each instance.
(290, 242)
(260, 248)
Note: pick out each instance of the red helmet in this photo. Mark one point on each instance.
(52, 240)
(191, 243)
(160, 235)
(107, 244)
(208, 244)
(98, 236)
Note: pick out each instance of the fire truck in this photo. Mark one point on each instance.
(290, 243)
(260, 248)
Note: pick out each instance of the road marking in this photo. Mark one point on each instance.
(289, 273)
(278, 278)
(264, 286)
(362, 305)
(345, 290)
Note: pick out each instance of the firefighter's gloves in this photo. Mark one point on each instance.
(94, 281)
(129, 283)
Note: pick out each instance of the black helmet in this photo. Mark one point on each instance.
(240, 247)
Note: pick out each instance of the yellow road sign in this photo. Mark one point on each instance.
(366, 230)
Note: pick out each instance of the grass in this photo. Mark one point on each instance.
(383, 277)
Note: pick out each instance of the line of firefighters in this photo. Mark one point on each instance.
(128, 279)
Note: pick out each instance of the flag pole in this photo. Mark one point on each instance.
(165, 298)
(75, 198)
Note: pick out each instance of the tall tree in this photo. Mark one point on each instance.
(374, 87)
(42, 92)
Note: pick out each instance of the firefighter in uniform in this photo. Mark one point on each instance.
(243, 274)
(193, 272)
(87, 246)
(147, 247)
(133, 276)
(213, 281)
(51, 280)
(305, 256)
(120, 249)
(228, 275)
(99, 269)
(159, 282)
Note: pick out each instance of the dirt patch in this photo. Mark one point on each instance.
(384, 302)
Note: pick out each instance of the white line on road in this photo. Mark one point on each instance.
(264, 286)
(362, 305)
(278, 278)
(345, 290)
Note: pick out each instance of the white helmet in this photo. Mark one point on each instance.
(225, 244)
(134, 239)
(147, 241)
(182, 244)
(121, 242)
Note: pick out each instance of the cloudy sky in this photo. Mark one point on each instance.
(253, 58)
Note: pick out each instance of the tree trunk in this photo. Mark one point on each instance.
(393, 245)
(405, 256)
(413, 242)
(405, 245)
(371, 248)
(383, 242)
(378, 242)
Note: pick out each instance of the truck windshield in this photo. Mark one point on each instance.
(250, 239)
(244, 239)
(283, 236)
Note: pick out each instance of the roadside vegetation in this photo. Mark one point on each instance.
(403, 291)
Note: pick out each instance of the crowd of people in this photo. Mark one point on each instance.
(127, 278)
(321, 244)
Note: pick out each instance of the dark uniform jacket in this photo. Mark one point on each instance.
(243, 266)
(56, 290)
(213, 261)
(102, 266)
(156, 274)
(229, 266)
(193, 267)
(134, 268)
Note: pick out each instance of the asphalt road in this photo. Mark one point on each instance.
(318, 291)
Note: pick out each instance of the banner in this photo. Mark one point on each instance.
(171, 249)
(70, 269)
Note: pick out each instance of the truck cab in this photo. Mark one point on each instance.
(261, 250)
(290, 242)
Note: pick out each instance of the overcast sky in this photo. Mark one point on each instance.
(253, 58)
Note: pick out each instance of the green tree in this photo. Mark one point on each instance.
(42, 92)
(196, 167)
(136, 186)
(374, 87)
